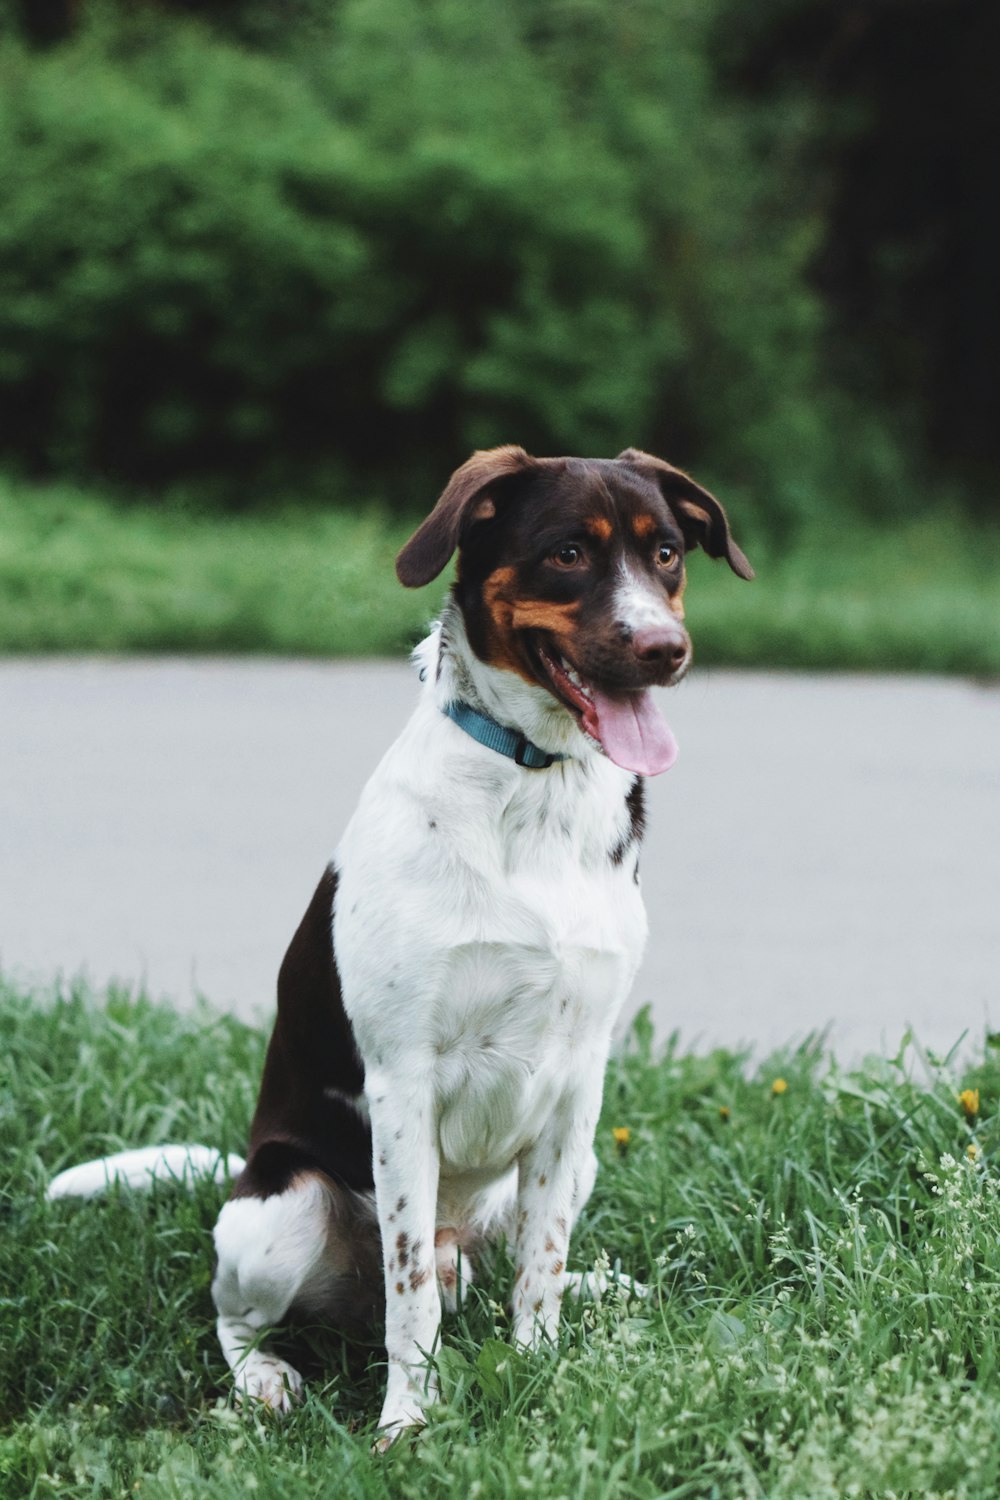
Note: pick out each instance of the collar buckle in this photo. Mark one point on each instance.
(530, 756)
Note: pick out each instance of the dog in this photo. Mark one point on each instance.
(446, 1006)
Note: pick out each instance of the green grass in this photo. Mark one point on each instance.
(80, 574)
(826, 1262)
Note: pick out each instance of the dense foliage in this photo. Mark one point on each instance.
(262, 248)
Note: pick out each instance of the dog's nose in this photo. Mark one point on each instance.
(661, 646)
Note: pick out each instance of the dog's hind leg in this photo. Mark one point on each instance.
(309, 1247)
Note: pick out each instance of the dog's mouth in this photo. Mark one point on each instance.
(627, 726)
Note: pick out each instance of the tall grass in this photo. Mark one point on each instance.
(79, 574)
(824, 1248)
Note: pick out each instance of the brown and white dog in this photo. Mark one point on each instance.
(445, 1009)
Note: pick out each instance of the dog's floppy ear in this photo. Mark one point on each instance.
(701, 517)
(465, 499)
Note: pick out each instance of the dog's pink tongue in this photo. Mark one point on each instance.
(632, 732)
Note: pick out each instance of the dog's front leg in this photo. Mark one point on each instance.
(406, 1167)
(555, 1176)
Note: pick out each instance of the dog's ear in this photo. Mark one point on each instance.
(701, 517)
(466, 499)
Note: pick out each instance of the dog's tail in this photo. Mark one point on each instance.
(141, 1168)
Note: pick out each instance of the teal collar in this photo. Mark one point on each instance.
(507, 742)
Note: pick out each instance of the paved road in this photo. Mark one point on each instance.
(826, 852)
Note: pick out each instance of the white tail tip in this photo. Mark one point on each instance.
(140, 1169)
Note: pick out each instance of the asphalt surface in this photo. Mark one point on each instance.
(825, 853)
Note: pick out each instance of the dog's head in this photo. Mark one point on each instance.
(571, 574)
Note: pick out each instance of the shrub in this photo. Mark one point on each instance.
(416, 228)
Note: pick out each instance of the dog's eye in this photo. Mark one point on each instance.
(667, 556)
(569, 555)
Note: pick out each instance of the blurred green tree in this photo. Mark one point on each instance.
(333, 246)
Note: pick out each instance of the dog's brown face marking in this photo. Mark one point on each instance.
(507, 614)
(547, 571)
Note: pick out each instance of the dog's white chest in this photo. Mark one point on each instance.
(512, 1030)
(489, 937)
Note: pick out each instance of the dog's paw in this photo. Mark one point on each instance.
(632, 1288)
(391, 1432)
(268, 1381)
(404, 1408)
(590, 1286)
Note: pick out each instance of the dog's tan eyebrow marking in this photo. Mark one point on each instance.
(599, 527)
(644, 525)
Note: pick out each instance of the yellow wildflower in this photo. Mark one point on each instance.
(972, 1151)
(724, 1112)
(779, 1086)
(622, 1136)
(969, 1100)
